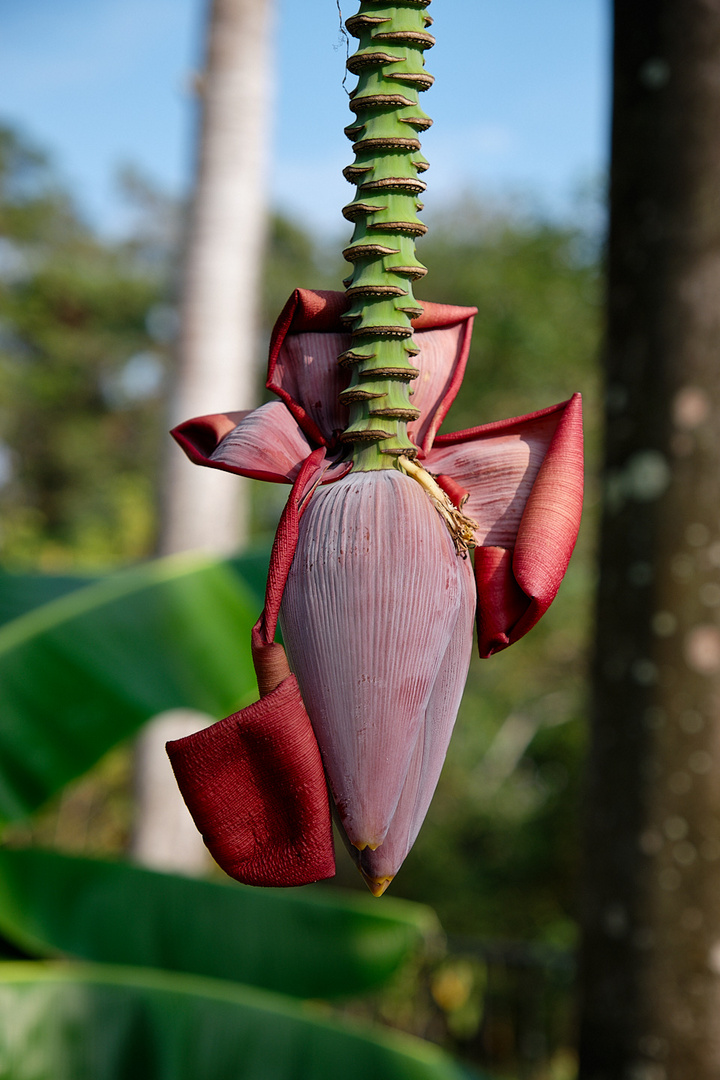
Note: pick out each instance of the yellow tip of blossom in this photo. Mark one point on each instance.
(377, 886)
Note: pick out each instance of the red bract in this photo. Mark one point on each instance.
(377, 606)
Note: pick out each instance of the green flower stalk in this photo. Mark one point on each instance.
(391, 74)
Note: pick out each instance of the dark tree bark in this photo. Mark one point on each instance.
(650, 958)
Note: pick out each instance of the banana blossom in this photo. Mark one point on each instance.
(376, 597)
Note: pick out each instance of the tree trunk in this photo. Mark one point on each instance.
(650, 957)
(204, 509)
(220, 300)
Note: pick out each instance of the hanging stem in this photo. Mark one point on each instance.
(391, 72)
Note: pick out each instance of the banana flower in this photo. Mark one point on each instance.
(376, 594)
(370, 575)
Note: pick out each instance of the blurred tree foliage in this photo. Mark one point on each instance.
(81, 370)
(536, 286)
(86, 328)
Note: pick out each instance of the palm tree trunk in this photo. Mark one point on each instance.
(217, 350)
(650, 963)
(217, 360)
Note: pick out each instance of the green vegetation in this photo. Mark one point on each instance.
(82, 434)
(536, 285)
(80, 378)
(133, 961)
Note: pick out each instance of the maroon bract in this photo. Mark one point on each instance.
(376, 604)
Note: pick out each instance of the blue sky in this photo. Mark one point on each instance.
(520, 102)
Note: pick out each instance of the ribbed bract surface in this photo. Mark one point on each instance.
(432, 743)
(370, 608)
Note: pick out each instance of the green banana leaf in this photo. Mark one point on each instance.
(72, 1022)
(252, 568)
(82, 673)
(20, 593)
(308, 943)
